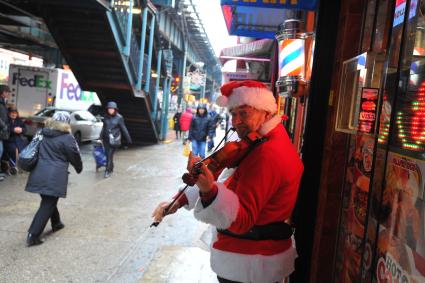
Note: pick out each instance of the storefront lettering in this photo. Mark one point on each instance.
(367, 116)
(37, 81)
(399, 12)
(404, 164)
(388, 270)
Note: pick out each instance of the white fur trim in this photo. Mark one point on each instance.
(222, 211)
(227, 172)
(222, 101)
(254, 268)
(192, 195)
(259, 98)
(269, 125)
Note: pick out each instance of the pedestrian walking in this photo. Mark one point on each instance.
(251, 204)
(49, 178)
(16, 141)
(176, 119)
(201, 129)
(185, 121)
(112, 131)
(215, 120)
(4, 133)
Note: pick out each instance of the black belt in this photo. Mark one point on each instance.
(271, 231)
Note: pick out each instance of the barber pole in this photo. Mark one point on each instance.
(291, 57)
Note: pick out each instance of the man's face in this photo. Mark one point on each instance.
(13, 115)
(201, 111)
(5, 94)
(247, 119)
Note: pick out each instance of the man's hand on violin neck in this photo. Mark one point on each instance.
(206, 180)
(191, 161)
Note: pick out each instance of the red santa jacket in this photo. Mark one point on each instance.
(262, 190)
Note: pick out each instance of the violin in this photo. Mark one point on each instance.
(228, 156)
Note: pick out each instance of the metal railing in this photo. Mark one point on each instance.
(134, 57)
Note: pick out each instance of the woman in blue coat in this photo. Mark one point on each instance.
(49, 178)
(201, 128)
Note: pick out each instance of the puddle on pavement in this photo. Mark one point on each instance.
(174, 264)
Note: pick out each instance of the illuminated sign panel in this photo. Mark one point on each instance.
(368, 110)
(279, 4)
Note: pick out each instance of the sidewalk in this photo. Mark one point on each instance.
(107, 236)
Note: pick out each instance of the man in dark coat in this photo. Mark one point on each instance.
(201, 128)
(49, 178)
(17, 130)
(4, 94)
(113, 127)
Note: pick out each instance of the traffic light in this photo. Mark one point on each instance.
(177, 79)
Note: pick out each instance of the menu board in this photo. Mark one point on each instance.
(368, 110)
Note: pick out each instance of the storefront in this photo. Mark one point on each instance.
(291, 55)
(380, 114)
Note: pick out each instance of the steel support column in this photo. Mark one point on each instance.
(155, 96)
(150, 47)
(182, 76)
(164, 112)
(142, 49)
(129, 29)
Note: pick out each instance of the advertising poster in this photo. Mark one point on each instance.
(401, 242)
(355, 200)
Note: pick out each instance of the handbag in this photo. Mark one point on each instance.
(29, 155)
(115, 141)
(186, 149)
(4, 131)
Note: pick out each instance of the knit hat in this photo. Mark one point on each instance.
(62, 116)
(252, 93)
(112, 104)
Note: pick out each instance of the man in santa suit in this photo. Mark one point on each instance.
(250, 204)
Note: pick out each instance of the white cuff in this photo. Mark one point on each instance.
(222, 211)
(192, 195)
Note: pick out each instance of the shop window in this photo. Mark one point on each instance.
(358, 91)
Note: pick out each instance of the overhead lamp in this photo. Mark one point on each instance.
(291, 38)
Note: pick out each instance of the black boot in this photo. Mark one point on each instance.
(58, 226)
(33, 240)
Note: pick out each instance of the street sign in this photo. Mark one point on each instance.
(168, 60)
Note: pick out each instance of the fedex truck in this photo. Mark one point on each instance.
(34, 88)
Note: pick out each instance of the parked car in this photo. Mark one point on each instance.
(85, 127)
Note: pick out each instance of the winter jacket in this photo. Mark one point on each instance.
(3, 112)
(12, 124)
(115, 125)
(176, 119)
(201, 127)
(57, 150)
(185, 120)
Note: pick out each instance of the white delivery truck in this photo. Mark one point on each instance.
(34, 88)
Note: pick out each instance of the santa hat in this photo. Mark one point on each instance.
(252, 93)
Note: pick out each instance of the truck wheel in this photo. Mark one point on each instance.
(77, 137)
